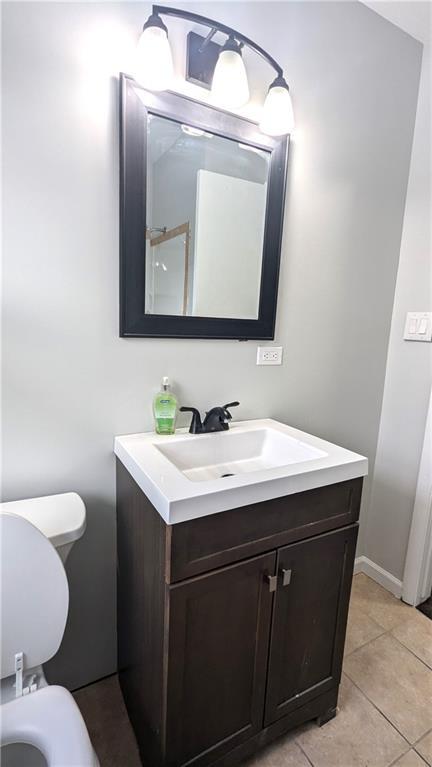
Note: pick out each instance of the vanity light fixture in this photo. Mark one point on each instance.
(154, 65)
(230, 85)
(277, 116)
(212, 66)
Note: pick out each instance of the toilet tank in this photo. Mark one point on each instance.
(61, 518)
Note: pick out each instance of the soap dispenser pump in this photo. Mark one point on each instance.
(165, 409)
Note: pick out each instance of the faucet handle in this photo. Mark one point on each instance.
(230, 404)
(196, 425)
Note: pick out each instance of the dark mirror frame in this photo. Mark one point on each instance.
(134, 109)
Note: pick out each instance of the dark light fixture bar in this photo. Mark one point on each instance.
(196, 18)
(219, 68)
(207, 39)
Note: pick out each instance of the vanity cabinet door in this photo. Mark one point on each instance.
(309, 620)
(217, 660)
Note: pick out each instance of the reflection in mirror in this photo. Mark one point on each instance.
(205, 214)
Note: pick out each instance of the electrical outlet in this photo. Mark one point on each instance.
(269, 355)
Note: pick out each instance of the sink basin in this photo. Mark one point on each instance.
(229, 453)
(188, 476)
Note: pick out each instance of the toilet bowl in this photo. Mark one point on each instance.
(35, 538)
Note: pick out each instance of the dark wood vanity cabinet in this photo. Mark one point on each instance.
(231, 629)
(217, 653)
(309, 619)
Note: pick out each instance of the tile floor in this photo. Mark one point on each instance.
(385, 701)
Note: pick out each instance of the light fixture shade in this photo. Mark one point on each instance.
(277, 115)
(230, 86)
(154, 65)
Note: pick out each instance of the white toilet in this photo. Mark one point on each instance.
(36, 536)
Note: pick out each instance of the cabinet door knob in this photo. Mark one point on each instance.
(272, 582)
(286, 576)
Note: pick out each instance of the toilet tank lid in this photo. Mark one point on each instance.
(61, 518)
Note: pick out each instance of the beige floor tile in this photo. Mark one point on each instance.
(416, 634)
(411, 759)
(378, 603)
(397, 682)
(105, 715)
(358, 736)
(360, 629)
(283, 753)
(425, 748)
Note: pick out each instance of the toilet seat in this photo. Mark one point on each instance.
(34, 595)
(50, 720)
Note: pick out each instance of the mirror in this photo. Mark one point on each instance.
(205, 208)
(202, 196)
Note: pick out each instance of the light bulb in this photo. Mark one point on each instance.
(154, 65)
(230, 84)
(277, 115)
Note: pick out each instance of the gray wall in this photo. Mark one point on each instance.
(70, 383)
(409, 365)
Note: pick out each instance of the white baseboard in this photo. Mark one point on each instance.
(385, 579)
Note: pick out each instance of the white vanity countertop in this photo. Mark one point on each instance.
(277, 460)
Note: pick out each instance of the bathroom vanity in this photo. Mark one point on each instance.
(232, 614)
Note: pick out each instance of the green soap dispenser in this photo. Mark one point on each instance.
(165, 409)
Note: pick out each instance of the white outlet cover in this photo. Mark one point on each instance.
(269, 355)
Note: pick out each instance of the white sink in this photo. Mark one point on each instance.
(229, 453)
(182, 474)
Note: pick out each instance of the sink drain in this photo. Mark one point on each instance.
(226, 475)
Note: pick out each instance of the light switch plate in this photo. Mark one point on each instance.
(269, 355)
(418, 326)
